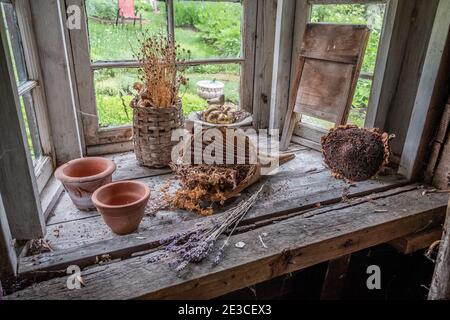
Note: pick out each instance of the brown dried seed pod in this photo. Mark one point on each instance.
(355, 154)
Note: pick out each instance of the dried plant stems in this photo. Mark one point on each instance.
(161, 71)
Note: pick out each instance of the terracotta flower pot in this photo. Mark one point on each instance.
(81, 177)
(122, 205)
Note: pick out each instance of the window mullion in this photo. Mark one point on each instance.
(33, 67)
(170, 18)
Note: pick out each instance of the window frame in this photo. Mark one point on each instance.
(44, 165)
(374, 111)
(119, 138)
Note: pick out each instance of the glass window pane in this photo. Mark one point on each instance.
(29, 117)
(226, 74)
(114, 31)
(15, 42)
(209, 29)
(368, 14)
(114, 90)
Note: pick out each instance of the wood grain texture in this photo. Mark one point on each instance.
(438, 142)
(304, 183)
(58, 79)
(430, 94)
(265, 41)
(398, 119)
(249, 27)
(324, 89)
(282, 62)
(302, 16)
(292, 244)
(417, 241)
(18, 185)
(8, 261)
(440, 286)
(334, 282)
(329, 64)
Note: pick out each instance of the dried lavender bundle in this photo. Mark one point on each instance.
(194, 246)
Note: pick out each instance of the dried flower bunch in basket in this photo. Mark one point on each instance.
(157, 109)
(162, 66)
(356, 154)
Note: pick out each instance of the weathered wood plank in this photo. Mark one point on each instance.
(128, 168)
(286, 192)
(292, 244)
(248, 53)
(438, 142)
(123, 247)
(334, 282)
(418, 241)
(412, 63)
(388, 66)
(58, 78)
(18, 184)
(417, 136)
(265, 41)
(302, 16)
(329, 64)
(282, 62)
(440, 286)
(8, 261)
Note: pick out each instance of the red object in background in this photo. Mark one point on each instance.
(126, 9)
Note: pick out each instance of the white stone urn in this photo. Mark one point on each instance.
(210, 89)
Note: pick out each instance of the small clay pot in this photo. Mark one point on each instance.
(81, 177)
(122, 205)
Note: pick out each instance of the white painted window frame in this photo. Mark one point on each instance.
(118, 139)
(44, 165)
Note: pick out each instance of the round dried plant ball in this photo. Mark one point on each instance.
(355, 154)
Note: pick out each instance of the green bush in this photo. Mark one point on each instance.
(103, 9)
(219, 23)
(192, 102)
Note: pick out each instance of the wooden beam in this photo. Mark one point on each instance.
(442, 173)
(30, 49)
(438, 143)
(17, 181)
(8, 257)
(416, 142)
(302, 16)
(282, 62)
(411, 63)
(292, 245)
(248, 45)
(334, 282)
(50, 30)
(440, 286)
(265, 43)
(417, 241)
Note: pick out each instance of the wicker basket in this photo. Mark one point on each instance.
(152, 131)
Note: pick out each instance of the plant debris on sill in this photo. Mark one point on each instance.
(194, 245)
(38, 246)
(202, 186)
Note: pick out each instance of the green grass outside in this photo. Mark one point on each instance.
(110, 42)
